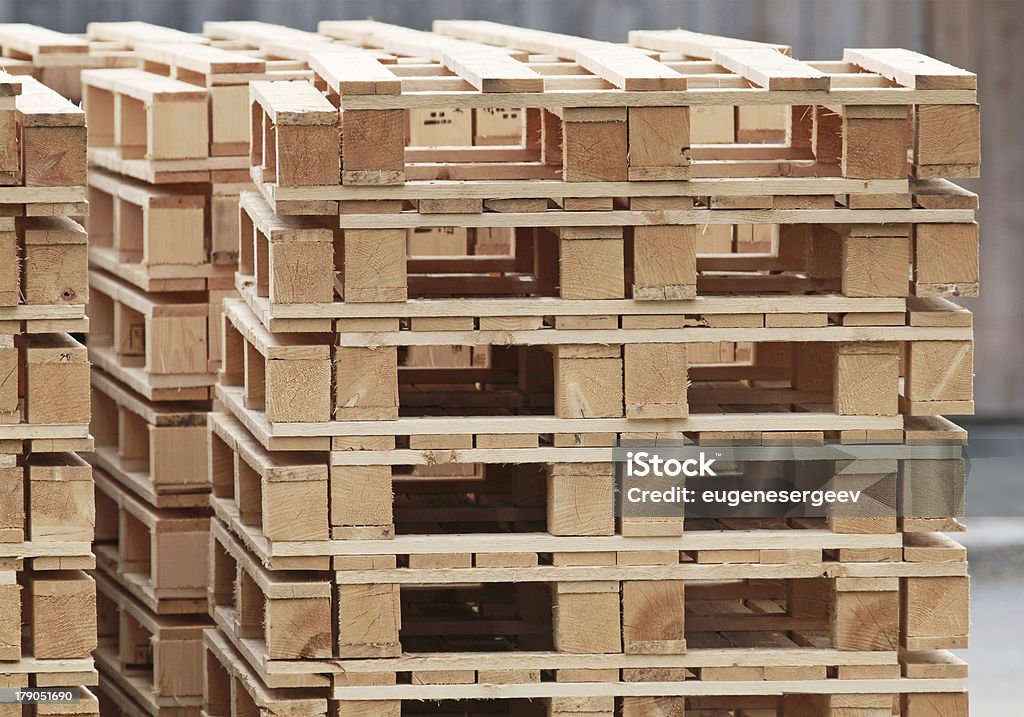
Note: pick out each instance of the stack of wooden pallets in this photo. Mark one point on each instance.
(47, 516)
(167, 150)
(701, 239)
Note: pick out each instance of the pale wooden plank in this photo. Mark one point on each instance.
(696, 44)
(772, 70)
(354, 73)
(912, 69)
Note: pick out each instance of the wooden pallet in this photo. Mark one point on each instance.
(153, 660)
(156, 450)
(857, 125)
(296, 506)
(233, 689)
(589, 388)
(162, 238)
(423, 606)
(157, 555)
(157, 344)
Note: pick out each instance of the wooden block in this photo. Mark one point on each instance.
(654, 706)
(373, 147)
(866, 379)
(659, 143)
(369, 618)
(866, 620)
(291, 279)
(295, 510)
(655, 380)
(361, 496)
(298, 627)
(60, 494)
(375, 265)
(306, 155)
(591, 268)
(946, 254)
(57, 380)
(875, 148)
(366, 382)
(664, 262)
(587, 387)
(940, 371)
(587, 623)
(54, 156)
(948, 135)
(55, 261)
(935, 613)
(943, 704)
(595, 151)
(298, 391)
(581, 499)
(652, 617)
(176, 344)
(876, 266)
(63, 615)
(10, 623)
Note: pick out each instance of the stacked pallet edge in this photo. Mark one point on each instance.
(369, 311)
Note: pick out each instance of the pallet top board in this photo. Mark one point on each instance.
(488, 68)
(135, 32)
(352, 72)
(39, 106)
(293, 103)
(10, 85)
(256, 34)
(912, 69)
(35, 41)
(625, 67)
(145, 86)
(201, 59)
(696, 44)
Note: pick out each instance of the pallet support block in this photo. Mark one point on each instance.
(372, 147)
(875, 261)
(63, 615)
(659, 143)
(369, 620)
(665, 263)
(581, 499)
(652, 617)
(57, 380)
(587, 617)
(655, 380)
(361, 502)
(940, 377)
(591, 263)
(60, 498)
(866, 614)
(946, 259)
(375, 265)
(947, 141)
(588, 381)
(594, 144)
(866, 379)
(875, 141)
(366, 383)
(934, 614)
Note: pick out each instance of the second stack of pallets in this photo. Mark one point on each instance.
(167, 163)
(396, 538)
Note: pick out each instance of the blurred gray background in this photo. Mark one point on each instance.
(986, 36)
